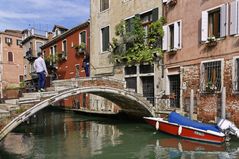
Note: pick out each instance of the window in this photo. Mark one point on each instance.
(235, 74)
(64, 48)
(53, 55)
(10, 57)
(8, 40)
(38, 45)
(214, 23)
(131, 83)
(172, 36)
(19, 42)
(105, 38)
(148, 18)
(104, 4)
(83, 37)
(130, 70)
(146, 69)
(21, 78)
(211, 76)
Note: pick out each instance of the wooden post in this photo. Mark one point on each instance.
(223, 108)
(191, 108)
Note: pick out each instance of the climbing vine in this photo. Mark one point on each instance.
(132, 44)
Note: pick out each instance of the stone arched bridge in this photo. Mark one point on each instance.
(113, 90)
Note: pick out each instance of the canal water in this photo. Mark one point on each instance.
(66, 135)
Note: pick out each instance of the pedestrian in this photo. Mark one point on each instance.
(40, 68)
(86, 65)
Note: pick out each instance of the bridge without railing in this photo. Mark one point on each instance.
(108, 88)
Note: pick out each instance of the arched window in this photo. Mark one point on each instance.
(10, 57)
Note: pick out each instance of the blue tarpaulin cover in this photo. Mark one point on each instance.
(181, 120)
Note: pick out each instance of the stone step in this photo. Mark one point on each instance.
(48, 94)
(50, 89)
(8, 107)
(11, 101)
(26, 100)
(32, 95)
(4, 113)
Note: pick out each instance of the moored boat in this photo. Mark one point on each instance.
(184, 127)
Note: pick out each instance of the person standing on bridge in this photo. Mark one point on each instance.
(40, 67)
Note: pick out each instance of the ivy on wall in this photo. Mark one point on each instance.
(132, 45)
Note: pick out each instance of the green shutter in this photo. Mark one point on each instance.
(155, 15)
(83, 37)
(105, 39)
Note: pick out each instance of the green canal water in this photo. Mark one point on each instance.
(66, 135)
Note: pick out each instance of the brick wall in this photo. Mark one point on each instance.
(208, 106)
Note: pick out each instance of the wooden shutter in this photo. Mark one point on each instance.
(204, 26)
(165, 37)
(223, 20)
(176, 35)
(233, 18)
(155, 15)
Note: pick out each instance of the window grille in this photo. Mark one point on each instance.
(236, 76)
(146, 68)
(211, 75)
(130, 70)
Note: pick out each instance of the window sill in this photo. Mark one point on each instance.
(104, 52)
(104, 11)
(235, 92)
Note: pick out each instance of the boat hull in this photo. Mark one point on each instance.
(185, 132)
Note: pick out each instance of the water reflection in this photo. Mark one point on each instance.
(67, 135)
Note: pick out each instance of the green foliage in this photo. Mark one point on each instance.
(131, 44)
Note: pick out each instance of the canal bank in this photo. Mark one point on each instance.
(57, 134)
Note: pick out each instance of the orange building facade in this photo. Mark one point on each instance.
(11, 57)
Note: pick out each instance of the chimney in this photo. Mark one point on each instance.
(33, 31)
(49, 35)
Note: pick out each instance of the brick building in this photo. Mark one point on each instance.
(11, 57)
(201, 54)
(64, 55)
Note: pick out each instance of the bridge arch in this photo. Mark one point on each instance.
(128, 101)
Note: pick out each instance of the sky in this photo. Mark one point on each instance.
(42, 14)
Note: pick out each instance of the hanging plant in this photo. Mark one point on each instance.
(131, 44)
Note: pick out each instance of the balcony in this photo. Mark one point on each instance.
(80, 49)
(29, 56)
(62, 56)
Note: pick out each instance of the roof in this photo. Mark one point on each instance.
(60, 27)
(65, 34)
(16, 33)
(36, 36)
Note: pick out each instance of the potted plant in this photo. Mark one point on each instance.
(211, 41)
(210, 87)
(80, 48)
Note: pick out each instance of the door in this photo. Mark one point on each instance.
(148, 88)
(174, 85)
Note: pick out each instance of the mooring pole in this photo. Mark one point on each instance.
(223, 115)
(191, 108)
